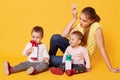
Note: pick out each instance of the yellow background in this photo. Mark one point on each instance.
(18, 17)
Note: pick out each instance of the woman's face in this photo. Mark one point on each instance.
(85, 21)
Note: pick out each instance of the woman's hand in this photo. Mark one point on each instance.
(68, 28)
(115, 69)
(74, 11)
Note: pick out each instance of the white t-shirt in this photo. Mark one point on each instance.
(42, 52)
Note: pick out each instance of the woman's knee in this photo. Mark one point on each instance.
(55, 37)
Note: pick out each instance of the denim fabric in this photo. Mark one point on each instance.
(57, 41)
(55, 61)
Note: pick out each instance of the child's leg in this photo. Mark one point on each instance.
(70, 72)
(22, 66)
(8, 69)
(62, 66)
(37, 68)
(79, 68)
(41, 66)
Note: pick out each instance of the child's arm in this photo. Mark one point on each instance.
(28, 51)
(87, 59)
(45, 53)
(65, 53)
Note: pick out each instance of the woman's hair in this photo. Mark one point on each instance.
(38, 29)
(91, 14)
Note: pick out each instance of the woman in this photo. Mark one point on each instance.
(90, 27)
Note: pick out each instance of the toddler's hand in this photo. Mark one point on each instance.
(88, 70)
(29, 51)
(46, 60)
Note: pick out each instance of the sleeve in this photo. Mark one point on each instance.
(95, 26)
(64, 56)
(45, 51)
(26, 47)
(86, 57)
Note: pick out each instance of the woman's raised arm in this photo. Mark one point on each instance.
(68, 28)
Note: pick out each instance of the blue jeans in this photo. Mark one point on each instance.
(57, 41)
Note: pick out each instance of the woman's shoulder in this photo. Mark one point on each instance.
(94, 27)
(95, 24)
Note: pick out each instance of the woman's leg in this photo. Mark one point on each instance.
(57, 41)
(55, 61)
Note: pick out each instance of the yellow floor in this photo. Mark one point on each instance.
(18, 17)
(99, 72)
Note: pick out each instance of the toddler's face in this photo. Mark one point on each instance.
(74, 41)
(36, 37)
